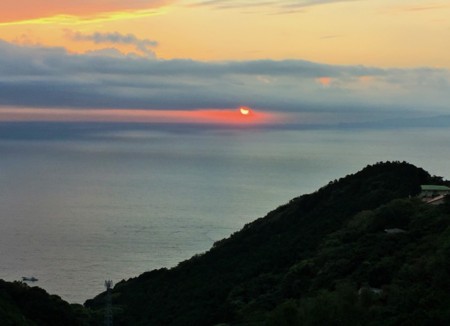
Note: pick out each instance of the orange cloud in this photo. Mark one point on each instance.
(324, 81)
(22, 10)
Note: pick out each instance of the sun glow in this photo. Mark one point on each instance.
(202, 116)
(244, 110)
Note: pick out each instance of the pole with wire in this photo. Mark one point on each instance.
(108, 307)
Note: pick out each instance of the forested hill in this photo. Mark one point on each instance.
(321, 259)
(22, 305)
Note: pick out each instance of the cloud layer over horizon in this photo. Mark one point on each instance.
(45, 77)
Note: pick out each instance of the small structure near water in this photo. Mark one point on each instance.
(434, 194)
(430, 191)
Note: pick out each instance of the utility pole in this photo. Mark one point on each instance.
(108, 307)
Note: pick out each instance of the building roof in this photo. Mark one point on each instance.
(434, 188)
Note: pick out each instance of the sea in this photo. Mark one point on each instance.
(85, 203)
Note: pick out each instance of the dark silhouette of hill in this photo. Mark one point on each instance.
(302, 256)
(322, 259)
(22, 305)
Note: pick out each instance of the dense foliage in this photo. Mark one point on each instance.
(322, 259)
(21, 305)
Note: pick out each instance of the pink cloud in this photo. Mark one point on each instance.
(19, 10)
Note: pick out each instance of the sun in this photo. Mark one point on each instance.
(244, 110)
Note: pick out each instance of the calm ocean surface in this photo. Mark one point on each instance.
(75, 212)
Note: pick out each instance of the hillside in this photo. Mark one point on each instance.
(321, 259)
(22, 305)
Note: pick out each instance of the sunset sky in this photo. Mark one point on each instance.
(312, 61)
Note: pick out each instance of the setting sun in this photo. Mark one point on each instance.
(244, 110)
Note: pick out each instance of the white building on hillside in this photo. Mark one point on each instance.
(434, 194)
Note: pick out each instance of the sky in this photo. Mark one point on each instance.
(198, 61)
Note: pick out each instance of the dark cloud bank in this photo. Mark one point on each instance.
(52, 78)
